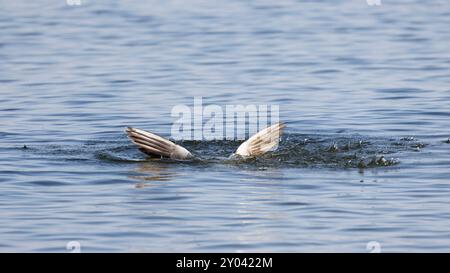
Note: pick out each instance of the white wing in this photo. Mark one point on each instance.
(262, 142)
(155, 145)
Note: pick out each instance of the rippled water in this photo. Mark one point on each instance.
(364, 91)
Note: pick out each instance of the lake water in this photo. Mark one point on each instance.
(353, 82)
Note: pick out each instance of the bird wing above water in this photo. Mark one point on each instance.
(262, 142)
(155, 145)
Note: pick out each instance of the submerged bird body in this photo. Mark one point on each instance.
(262, 142)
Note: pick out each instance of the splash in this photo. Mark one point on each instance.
(294, 151)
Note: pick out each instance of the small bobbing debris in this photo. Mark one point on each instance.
(417, 147)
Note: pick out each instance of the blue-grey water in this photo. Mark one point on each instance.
(354, 83)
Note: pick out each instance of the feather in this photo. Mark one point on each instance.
(262, 142)
(155, 145)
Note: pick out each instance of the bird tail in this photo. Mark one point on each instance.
(262, 142)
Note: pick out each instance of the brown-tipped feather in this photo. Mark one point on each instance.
(155, 145)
